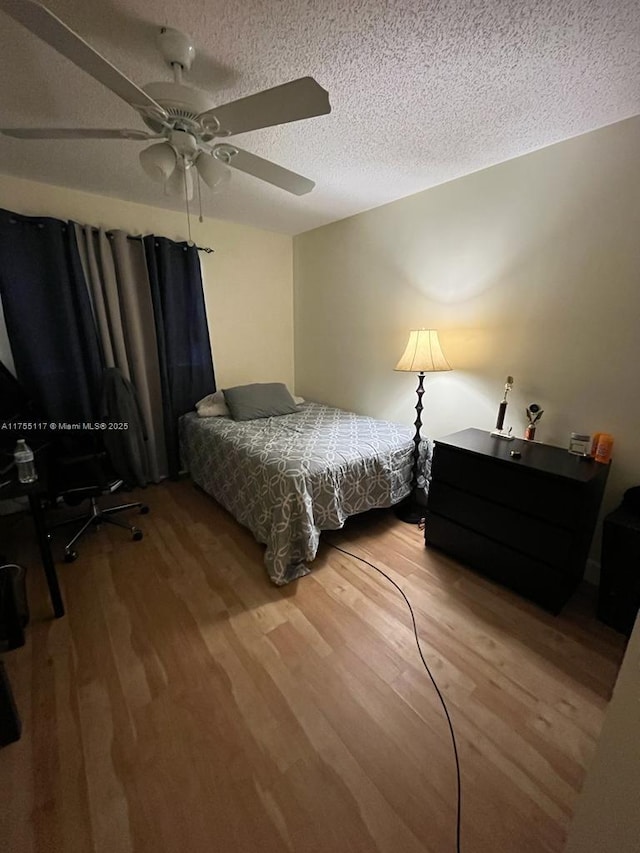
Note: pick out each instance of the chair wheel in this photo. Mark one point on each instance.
(70, 556)
(136, 535)
(144, 509)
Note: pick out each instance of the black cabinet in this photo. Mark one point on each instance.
(619, 597)
(526, 522)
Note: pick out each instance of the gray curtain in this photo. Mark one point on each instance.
(118, 282)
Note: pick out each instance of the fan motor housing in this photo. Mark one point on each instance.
(182, 103)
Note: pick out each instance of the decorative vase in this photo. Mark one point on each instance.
(530, 433)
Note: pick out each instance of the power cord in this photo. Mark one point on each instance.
(429, 673)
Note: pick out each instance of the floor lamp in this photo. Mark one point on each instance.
(423, 354)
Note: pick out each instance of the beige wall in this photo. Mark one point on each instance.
(607, 817)
(248, 280)
(529, 268)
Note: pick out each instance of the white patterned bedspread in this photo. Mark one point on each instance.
(287, 478)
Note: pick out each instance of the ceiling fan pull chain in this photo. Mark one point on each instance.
(186, 199)
(199, 195)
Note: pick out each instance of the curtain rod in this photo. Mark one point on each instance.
(206, 249)
(15, 216)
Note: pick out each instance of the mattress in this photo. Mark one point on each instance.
(287, 478)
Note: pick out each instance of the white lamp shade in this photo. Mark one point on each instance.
(158, 161)
(423, 353)
(214, 173)
(175, 184)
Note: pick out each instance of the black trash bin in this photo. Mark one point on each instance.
(10, 726)
(14, 608)
(14, 616)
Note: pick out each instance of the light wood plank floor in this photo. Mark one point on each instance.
(186, 704)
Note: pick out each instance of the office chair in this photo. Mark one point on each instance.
(89, 476)
(75, 468)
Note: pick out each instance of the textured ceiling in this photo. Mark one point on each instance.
(422, 92)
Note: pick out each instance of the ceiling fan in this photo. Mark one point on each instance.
(183, 119)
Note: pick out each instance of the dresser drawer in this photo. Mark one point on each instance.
(535, 580)
(532, 536)
(522, 489)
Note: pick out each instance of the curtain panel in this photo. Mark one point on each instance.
(48, 316)
(186, 365)
(116, 273)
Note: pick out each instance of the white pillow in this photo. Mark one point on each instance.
(213, 410)
(218, 397)
(212, 406)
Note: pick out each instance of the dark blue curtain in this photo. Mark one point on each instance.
(48, 316)
(184, 350)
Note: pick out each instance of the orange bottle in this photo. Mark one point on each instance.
(594, 443)
(605, 446)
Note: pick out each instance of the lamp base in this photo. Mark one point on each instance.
(410, 510)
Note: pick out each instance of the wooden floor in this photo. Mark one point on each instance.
(187, 705)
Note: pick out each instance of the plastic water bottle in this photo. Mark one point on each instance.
(23, 456)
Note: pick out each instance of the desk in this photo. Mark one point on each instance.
(36, 493)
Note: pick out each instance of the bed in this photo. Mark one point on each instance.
(287, 478)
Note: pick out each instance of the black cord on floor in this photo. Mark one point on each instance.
(433, 681)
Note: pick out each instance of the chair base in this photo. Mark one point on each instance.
(97, 516)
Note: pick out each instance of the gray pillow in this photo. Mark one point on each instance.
(260, 400)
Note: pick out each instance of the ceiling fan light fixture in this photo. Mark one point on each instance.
(214, 173)
(175, 183)
(158, 161)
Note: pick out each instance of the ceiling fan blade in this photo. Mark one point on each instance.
(251, 164)
(299, 99)
(74, 133)
(44, 24)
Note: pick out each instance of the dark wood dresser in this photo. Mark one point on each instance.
(527, 522)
